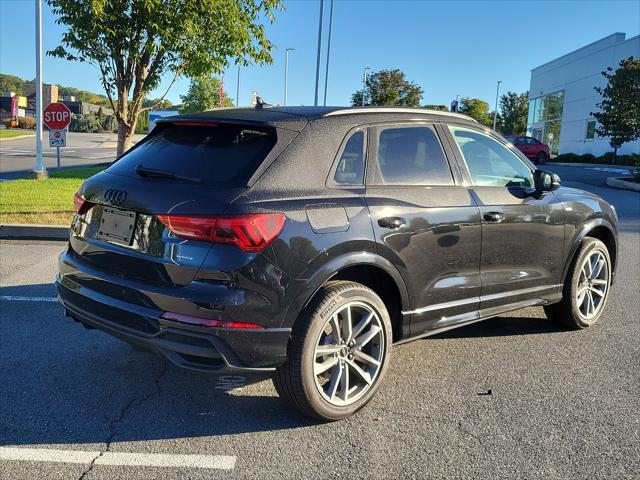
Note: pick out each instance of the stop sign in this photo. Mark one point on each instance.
(57, 116)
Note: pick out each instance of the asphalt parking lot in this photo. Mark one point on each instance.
(512, 397)
(17, 156)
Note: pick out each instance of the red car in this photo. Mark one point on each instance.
(535, 150)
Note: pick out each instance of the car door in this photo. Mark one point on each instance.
(523, 146)
(425, 222)
(522, 232)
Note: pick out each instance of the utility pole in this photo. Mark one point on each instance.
(238, 88)
(286, 74)
(364, 83)
(39, 171)
(326, 74)
(495, 111)
(315, 102)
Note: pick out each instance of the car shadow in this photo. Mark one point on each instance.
(63, 384)
(502, 327)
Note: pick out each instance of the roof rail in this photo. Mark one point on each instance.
(349, 111)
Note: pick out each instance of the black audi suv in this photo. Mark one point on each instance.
(306, 242)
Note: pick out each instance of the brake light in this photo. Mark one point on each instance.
(178, 317)
(80, 204)
(251, 232)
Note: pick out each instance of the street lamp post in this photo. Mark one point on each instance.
(39, 171)
(286, 74)
(326, 74)
(364, 83)
(315, 102)
(495, 111)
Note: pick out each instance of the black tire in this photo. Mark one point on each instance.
(296, 381)
(541, 158)
(567, 312)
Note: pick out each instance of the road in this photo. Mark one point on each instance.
(17, 156)
(512, 397)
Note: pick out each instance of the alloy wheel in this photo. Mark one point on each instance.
(349, 353)
(593, 284)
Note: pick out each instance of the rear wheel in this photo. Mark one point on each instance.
(586, 288)
(541, 158)
(338, 354)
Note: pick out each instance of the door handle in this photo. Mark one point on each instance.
(494, 217)
(392, 222)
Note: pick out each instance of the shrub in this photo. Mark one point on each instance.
(607, 158)
(87, 123)
(27, 122)
(109, 123)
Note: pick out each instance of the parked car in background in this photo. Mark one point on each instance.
(534, 149)
(304, 242)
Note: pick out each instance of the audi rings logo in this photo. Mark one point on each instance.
(115, 196)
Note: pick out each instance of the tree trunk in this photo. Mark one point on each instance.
(615, 155)
(125, 136)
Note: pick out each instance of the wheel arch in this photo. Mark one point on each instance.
(598, 228)
(370, 270)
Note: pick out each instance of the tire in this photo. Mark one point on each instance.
(541, 158)
(317, 387)
(581, 306)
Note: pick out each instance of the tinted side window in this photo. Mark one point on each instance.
(412, 156)
(532, 141)
(490, 163)
(350, 169)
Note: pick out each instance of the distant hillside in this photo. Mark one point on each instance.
(12, 83)
(16, 84)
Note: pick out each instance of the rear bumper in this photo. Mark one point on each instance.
(202, 348)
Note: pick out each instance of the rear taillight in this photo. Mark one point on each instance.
(251, 232)
(80, 204)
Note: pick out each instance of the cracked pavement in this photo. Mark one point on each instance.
(563, 404)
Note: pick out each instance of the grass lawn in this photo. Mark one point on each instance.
(47, 202)
(15, 133)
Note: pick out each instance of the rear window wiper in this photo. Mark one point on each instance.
(151, 173)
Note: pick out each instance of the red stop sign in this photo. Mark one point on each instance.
(57, 116)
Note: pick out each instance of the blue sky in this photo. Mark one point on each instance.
(448, 48)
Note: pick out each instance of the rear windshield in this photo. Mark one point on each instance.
(217, 153)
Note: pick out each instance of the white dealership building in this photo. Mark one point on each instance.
(562, 96)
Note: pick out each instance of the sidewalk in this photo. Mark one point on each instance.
(602, 167)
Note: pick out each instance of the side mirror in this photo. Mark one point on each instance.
(546, 181)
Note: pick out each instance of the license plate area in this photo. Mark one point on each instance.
(117, 226)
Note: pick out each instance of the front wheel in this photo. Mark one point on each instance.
(586, 288)
(541, 158)
(338, 354)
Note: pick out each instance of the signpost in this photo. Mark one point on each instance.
(57, 118)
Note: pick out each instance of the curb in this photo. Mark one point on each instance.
(595, 165)
(618, 182)
(15, 138)
(31, 232)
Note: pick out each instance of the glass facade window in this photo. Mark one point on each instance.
(544, 119)
(590, 134)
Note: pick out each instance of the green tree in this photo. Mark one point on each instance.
(100, 115)
(390, 88)
(133, 43)
(158, 104)
(619, 115)
(204, 94)
(443, 108)
(513, 110)
(11, 83)
(477, 109)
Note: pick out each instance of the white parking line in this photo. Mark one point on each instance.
(217, 462)
(12, 298)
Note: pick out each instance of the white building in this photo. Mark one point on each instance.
(562, 96)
